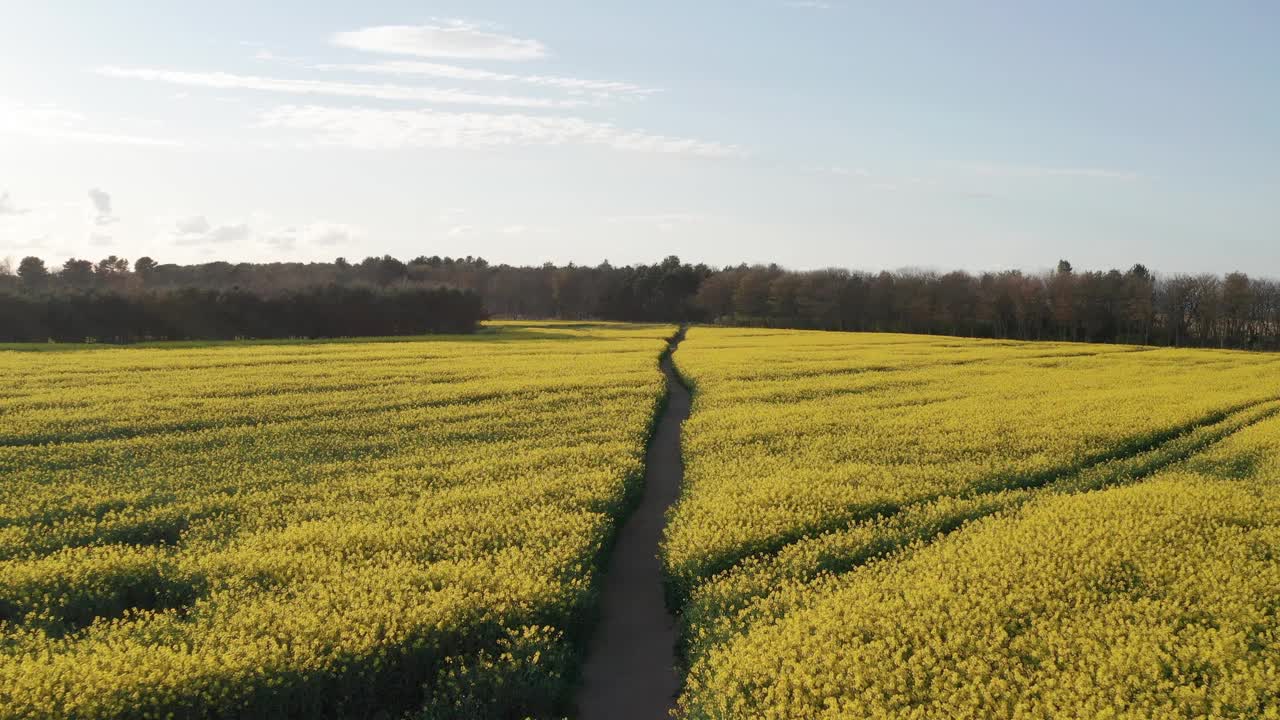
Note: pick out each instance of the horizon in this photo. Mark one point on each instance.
(807, 134)
(902, 270)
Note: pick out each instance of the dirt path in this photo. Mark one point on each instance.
(630, 667)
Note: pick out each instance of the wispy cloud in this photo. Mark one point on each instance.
(1029, 171)
(842, 171)
(29, 226)
(451, 214)
(47, 122)
(902, 183)
(411, 68)
(809, 4)
(8, 207)
(229, 81)
(34, 243)
(257, 229)
(370, 128)
(662, 222)
(444, 39)
(510, 229)
(861, 178)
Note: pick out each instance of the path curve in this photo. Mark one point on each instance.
(630, 670)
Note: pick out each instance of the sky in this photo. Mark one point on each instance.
(811, 133)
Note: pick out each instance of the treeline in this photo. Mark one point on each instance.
(1131, 306)
(112, 303)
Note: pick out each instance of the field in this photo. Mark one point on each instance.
(892, 526)
(313, 529)
(869, 525)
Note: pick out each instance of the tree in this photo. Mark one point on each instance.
(782, 300)
(1237, 306)
(77, 273)
(9, 282)
(1062, 300)
(882, 299)
(819, 298)
(1206, 309)
(999, 303)
(916, 295)
(957, 303)
(751, 297)
(569, 292)
(1108, 306)
(715, 295)
(382, 271)
(1175, 299)
(111, 266)
(1139, 306)
(33, 273)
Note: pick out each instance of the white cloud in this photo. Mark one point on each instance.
(37, 225)
(264, 55)
(842, 171)
(1028, 171)
(283, 239)
(511, 229)
(370, 128)
(38, 242)
(317, 233)
(809, 4)
(446, 39)
(326, 233)
(196, 225)
(197, 230)
(228, 234)
(866, 179)
(230, 81)
(101, 201)
(656, 217)
(47, 122)
(413, 68)
(7, 206)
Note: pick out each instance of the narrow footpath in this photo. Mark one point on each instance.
(630, 671)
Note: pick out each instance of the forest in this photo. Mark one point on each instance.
(386, 296)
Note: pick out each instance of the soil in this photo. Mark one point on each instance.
(630, 670)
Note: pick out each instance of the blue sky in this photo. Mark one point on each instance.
(859, 134)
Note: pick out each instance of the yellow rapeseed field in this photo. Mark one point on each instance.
(312, 529)
(882, 526)
(871, 525)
